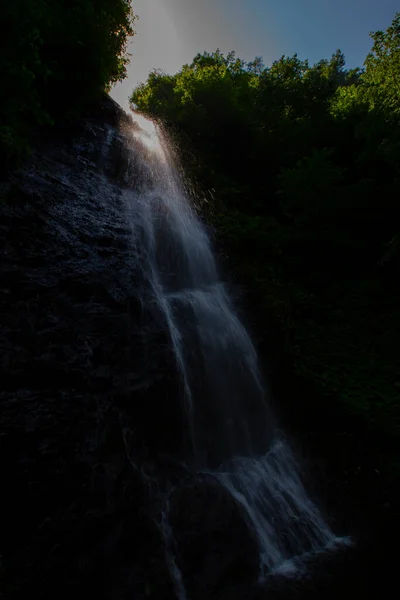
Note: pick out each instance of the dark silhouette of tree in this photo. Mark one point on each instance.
(55, 57)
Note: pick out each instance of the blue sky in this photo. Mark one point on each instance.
(170, 32)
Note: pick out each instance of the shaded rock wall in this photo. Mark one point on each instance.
(80, 372)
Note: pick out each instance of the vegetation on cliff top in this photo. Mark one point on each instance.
(55, 58)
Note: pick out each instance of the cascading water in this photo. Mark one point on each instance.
(231, 436)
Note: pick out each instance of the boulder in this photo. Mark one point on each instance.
(215, 546)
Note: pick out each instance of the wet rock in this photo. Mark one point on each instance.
(83, 357)
(215, 547)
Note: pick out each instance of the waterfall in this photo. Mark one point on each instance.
(230, 431)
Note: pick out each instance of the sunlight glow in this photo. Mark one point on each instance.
(147, 133)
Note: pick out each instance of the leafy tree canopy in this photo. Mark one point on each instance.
(55, 57)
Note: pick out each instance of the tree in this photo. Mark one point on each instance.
(56, 56)
(382, 69)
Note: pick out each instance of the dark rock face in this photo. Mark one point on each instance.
(89, 390)
(215, 547)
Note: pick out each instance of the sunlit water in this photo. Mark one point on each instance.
(231, 434)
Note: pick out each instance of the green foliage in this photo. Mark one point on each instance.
(309, 185)
(55, 57)
(305, 160)
(382, 69)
